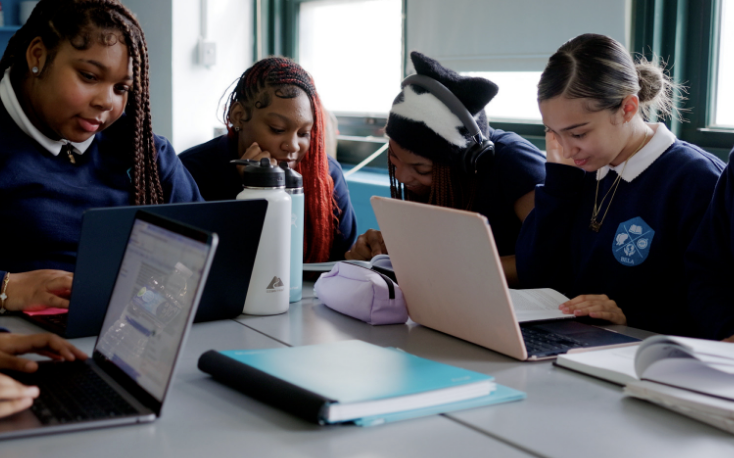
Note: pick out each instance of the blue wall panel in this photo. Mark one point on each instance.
(363, 185)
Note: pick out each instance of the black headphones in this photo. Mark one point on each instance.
(481, 148)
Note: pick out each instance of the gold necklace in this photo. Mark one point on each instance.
(68, 148)
(596, 225)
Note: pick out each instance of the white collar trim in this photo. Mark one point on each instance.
(661, 140)
(10, 101)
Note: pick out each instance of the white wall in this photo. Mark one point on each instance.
(155, 18)
(197, 90)
(185, 96)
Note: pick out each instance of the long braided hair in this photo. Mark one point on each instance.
(449, 187)
(81, 22)
(286, 77)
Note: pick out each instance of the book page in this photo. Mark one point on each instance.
(684, 400)
(537, 304)
(718, 355)
(648, 354)
(691, 374)
(616, 365)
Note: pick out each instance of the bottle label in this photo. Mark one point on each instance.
(276, 285)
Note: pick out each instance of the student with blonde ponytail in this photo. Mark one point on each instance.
(76, 133)
(623, 197)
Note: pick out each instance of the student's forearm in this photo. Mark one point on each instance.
(510, 268)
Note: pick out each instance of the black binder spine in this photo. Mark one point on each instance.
(265, 387)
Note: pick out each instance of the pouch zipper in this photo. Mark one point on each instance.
(388, 280)
(390, 284)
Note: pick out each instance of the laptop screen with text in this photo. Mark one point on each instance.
(151, 303)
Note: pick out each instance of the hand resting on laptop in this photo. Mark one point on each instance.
(595, 306)
(38, 289)
(15, 396)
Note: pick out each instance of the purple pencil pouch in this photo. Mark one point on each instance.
(362, 293)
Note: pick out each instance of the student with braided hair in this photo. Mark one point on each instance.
(76, 133)
(426, 137)
(275, 112)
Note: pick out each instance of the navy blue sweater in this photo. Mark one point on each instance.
(710, 263)
(637, 258)
(42, 196)
(209, 164)
(516, 169)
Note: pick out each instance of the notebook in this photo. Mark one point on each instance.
(353, 381)
(448, 267)
(104, 232)
(149, 312)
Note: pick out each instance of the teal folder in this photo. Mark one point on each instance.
(353, 381)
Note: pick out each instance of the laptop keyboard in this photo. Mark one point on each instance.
(72, 392)
(539, 342)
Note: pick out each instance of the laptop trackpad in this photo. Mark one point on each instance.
(19, 421)
(591, 335)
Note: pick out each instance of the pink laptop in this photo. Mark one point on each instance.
(447, 265)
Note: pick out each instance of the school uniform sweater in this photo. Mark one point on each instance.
(637, 256)
(43, 197)
(515, 170)
(209, 164)
(710, 263)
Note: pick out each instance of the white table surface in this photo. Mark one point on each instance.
(203, 418)
(566, 414)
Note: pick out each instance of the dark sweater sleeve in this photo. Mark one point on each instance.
(710, 264)
(347, 230)
(545, 238)
(520, 166)
(178, 185)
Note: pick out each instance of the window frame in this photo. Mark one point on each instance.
(685, 32)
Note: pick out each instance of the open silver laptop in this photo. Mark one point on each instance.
(156, 293)
(101, 246)
(448, 268)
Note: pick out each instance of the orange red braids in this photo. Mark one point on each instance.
(280, 73)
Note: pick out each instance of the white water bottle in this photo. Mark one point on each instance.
(268, 293)
(294, 187)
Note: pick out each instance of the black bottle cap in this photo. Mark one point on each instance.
(293, 179)
(261, 174)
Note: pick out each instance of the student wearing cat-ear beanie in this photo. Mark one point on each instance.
(427, 142)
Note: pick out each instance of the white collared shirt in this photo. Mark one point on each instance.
(658, 144)
(10, 101)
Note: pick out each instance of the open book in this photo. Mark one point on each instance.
(381, 261)
(690, 376)
(676, 361)
(538, 304)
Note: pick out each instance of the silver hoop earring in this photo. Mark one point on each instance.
(237, 128)
(34, 70)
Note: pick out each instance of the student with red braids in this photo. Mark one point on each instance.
(76, 133)
(274, 111)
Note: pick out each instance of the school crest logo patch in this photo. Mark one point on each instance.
(632, 242)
